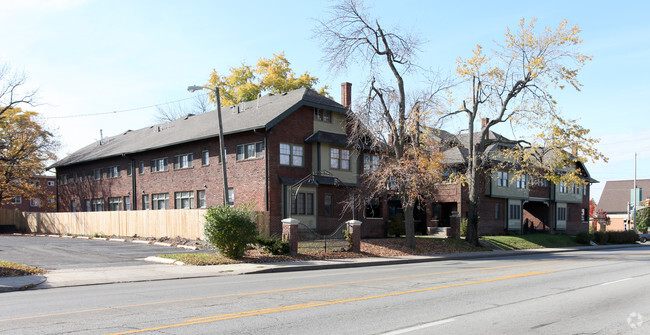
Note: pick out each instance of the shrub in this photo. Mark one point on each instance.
(463, 227)
(395, 226)
(600, 237)
(622, 237)
(583, 238)
(273, 245)
(643, 220)
(230, 229)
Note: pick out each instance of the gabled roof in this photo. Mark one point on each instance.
(616, 194)
(263, 113)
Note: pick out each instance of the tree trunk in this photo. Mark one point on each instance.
(409, 226)
(472, 219)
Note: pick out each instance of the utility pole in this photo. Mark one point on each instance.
(635, 199)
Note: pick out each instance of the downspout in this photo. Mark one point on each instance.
(134, 202)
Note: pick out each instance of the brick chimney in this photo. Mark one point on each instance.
(346, 94)
(484, 122)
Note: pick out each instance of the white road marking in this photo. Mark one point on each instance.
(418, 327)
(616, 281)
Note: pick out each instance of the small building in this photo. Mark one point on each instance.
(616, 199)
(46, 203)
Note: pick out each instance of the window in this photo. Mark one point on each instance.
(97, 174)
(303, 204)
(370, 162)
(183, 161)
(373, 208)
(322, 115)
(184, 200)
(502, 179)
(73, 206)
(200, 199)
(75, 178)
(129, 169)
(160, 200)
(145, 201)
(520, 182)
(249, 151)
(497, 211)
(113, 172)
(561, 213)
(97, 205)
(51, 200)
(231, 196)
(63, 179)
(328, 205)
(291, 154)
(87, 206)
(339, 159)
(50, 183)
(542, 182)
(515, 212)
(584, 214)
(114, 204)
(35, 203)
(17, 200)
(205, 157)
(141, 167)
(564, 188)
(127, 203)
(585, 188)
(159, 164)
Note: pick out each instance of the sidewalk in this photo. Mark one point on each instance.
(158, 271)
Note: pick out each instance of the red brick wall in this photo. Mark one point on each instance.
(45, 204)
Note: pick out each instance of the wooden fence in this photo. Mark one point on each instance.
(12, 217)
(187, 223)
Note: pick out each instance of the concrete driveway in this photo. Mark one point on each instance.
(53, 253)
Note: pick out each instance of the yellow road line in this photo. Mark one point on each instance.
(275, 291)
(221, 317)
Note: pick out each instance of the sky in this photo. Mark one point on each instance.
(120, 59)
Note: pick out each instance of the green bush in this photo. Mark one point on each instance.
(230, 229)
(643, 220)
(395, 226)
(622, 237)
(601, 237)
(583, 238)
(274, 245)
(463, 227)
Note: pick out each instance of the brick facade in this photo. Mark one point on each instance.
(45, 204)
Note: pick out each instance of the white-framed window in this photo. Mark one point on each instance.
(250, 151)
(97, 205)
(63, 179)
(159, 164)
(184, 161)
(339, 159)
(291, 154)
(141, 167)
(145, 201)
(585, 188)
(129, 169)
(184, 200)
(114, 203)
(113, 172)
(50, 183)
(35, 203)
(322, 115)
(97, 174)
(17, 200)
(564, 188)
(370, 162)
(303, 204)
(160, 201)
(502, 178)
(520, 181)
(127, 203)
(200, 199)
(205, 157)
(231, 196)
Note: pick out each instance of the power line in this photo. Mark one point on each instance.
(121, 111)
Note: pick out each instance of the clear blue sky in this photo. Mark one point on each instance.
(101, 56)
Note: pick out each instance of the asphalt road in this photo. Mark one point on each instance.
(68, 253)
(594, 292)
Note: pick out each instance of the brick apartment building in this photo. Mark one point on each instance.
(282, 145)
(43, 204)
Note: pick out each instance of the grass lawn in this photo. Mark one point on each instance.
(532, 241)
(10, 269)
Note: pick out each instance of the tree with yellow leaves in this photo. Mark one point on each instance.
(246, 83)
(513, 86)
(25, 148)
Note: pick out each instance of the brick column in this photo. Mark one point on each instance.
(290, 234)
(454, 225)
(354, 229)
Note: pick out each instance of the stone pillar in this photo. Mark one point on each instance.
(354, 229)
(290, 234)
(454, 225)
(432, 226)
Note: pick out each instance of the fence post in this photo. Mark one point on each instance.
(354, 229)
(290, 234)
(454, 223)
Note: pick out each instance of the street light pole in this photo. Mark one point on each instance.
(222, 154)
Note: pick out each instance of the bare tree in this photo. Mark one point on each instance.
(12, 90)
(388, 121)
(167, 113)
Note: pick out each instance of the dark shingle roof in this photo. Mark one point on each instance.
(616, 194)
(264, 112)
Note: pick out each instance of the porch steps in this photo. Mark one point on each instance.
(437, 231)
